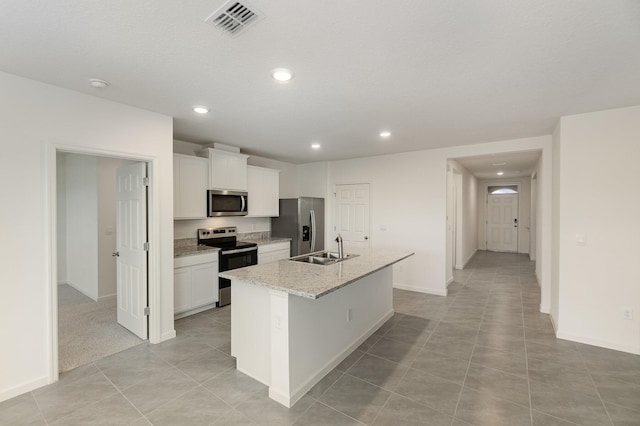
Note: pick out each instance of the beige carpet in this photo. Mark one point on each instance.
(88, 330)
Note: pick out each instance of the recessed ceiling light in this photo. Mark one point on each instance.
(282, 74)
(500, 173)
(97, 83)
(315, 146)
(499, 164)
(200, 109)
(385, 134)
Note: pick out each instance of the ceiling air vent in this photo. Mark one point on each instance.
(233, 17)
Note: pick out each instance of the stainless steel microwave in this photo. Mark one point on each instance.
(226, 203)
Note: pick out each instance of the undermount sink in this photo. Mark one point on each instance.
(323, 258)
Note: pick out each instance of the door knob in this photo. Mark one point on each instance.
(115, 254)
(366, 238)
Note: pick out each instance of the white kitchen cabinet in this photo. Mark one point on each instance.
(273, 252)
(227, 170)
(195, 280)
(263, 187)
(190, 182)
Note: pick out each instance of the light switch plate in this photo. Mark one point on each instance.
(581, 239)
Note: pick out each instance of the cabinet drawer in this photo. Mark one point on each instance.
(268, 248)
(195, 259)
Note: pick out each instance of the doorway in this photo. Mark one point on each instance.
(91, 281)
(352, 214)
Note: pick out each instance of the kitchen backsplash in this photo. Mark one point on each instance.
(189, 228)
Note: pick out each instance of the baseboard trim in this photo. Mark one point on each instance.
(466, 262)
(108, 296)
(597, 342)
(420, 289)
(167, 335)
(194, 311)
(554, 325)
(23, 388)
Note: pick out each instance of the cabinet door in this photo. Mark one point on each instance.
(204, 284)
(190, 176)
(264, 191)
(182, 289)
(219, 171)
(237, 172)
(265, 258)
(280, 255)
(227, 170)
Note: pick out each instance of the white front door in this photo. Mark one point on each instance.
(502, 222)
(132, 257)
(352, 214)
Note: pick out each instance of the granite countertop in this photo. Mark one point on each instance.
(189, 246)
(266, 240)
(313, 281)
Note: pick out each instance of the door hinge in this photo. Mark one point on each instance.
(145, 181)
(146, 311)
(145, 246)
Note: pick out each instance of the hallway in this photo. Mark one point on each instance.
(483, 355)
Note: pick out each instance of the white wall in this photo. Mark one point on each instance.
(554, 300)
(82, 224)
(598, 193)
(468, 206)
(524, 210)
(36, 117)
(61, 215)
(409, 196)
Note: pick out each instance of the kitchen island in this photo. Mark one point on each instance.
(293, 322)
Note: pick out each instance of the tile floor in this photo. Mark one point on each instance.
(484, 355)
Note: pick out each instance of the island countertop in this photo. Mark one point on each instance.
(313, 281)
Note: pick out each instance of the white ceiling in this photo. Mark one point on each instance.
(517, 164)
(436, 73)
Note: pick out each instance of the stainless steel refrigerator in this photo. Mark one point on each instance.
(302, 220)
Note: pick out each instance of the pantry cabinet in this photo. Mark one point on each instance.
(190, 181)
(263, 187)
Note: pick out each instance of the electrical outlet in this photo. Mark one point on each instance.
(627, 313)
(348, 314)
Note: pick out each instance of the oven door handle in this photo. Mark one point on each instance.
(243, 250)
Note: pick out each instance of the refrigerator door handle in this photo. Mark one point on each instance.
(313, 231)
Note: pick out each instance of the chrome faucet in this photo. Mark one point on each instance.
(340, 247)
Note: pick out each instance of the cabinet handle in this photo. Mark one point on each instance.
(115, 254)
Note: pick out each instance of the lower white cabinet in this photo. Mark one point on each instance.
(195, 281)
(273, 252)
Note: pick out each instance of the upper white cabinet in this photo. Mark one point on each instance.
(190, 181)
(227, 170)
(263, 187)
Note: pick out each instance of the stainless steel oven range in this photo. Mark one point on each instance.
(233, 254)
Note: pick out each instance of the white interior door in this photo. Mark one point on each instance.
(131, 223)
(502, 222)
(352, 214)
